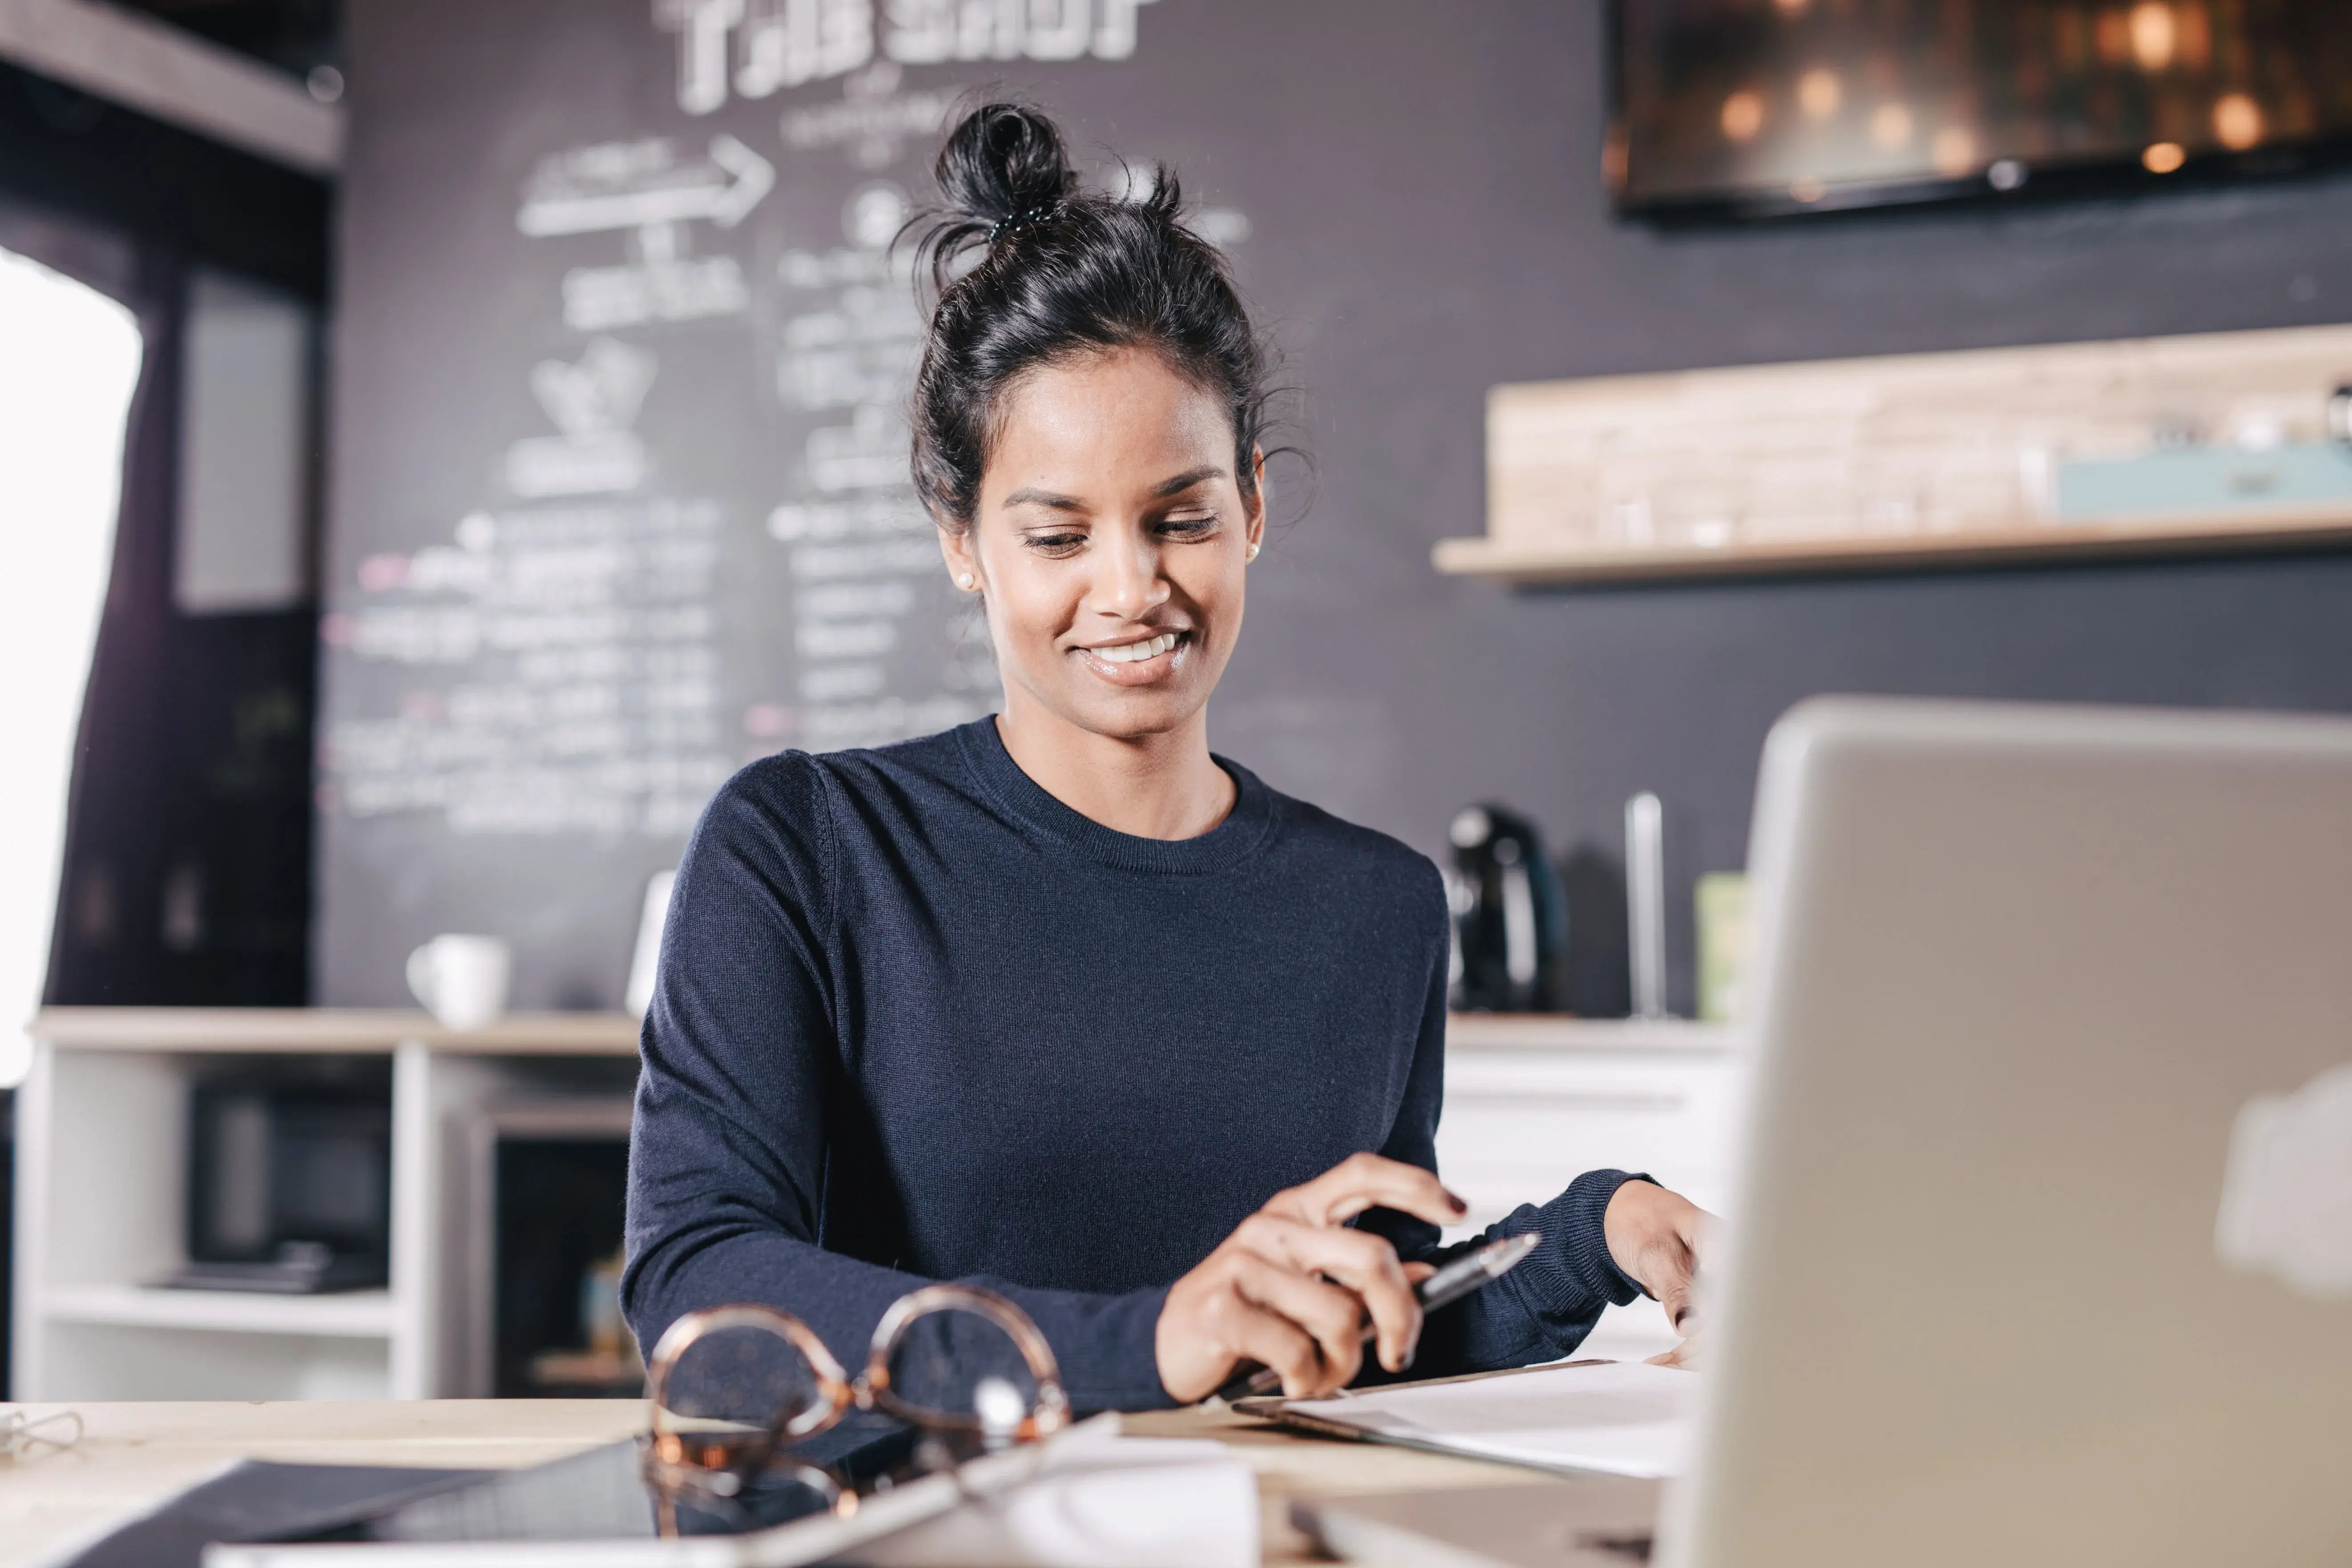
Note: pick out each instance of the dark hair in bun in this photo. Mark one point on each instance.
(1060, 273)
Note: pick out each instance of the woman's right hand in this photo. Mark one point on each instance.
(1291, 1287)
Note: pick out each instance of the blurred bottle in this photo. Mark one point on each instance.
(601, 1323)
(1722, 903)
(1510, 923)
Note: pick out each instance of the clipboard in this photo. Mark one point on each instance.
(1614, 1433)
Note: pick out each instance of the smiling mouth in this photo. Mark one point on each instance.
(1144, 662)
(1136, 652)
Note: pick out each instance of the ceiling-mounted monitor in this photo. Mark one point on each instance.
(1760, 107)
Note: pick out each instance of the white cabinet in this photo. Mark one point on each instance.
(1532, 1102)
(102, 1194)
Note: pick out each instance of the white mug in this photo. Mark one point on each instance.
(461, 980)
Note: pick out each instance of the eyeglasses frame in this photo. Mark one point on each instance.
(716, 1472)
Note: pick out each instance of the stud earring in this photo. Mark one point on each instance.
(963, 580)
(1253, 553)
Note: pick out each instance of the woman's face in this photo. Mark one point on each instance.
(1108, 544)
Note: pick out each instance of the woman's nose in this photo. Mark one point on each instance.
(1132, 586)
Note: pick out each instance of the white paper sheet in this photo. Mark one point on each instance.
(1130, 1503)
(1620, 1418)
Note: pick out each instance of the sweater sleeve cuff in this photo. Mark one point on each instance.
(1107, 1346)
(1572, 1269)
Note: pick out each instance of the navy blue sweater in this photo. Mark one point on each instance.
(918, 1020)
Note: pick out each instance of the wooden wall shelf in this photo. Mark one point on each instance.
(2193, 444)
(2029, 543)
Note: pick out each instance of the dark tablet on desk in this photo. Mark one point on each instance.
(595, 1495)
(256, 1501)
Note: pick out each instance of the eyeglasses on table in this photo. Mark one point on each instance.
(732, 1388)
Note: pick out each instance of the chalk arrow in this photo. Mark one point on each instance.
(723, 190)
(753, 176)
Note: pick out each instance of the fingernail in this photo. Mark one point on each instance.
(1459, 1206)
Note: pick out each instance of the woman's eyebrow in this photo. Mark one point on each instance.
(1186, 481)
(1031, 496)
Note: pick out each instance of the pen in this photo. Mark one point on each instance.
(1458, 1279)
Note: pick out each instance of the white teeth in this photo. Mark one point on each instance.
(1136, 652)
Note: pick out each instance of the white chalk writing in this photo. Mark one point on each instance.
(756, 47)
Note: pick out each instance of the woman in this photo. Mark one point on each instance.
(1057, 1002)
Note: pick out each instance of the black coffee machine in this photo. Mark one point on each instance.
(1510, 920)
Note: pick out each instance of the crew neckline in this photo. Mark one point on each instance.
(1244, 828)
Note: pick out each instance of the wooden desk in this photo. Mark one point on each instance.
(133, 1455)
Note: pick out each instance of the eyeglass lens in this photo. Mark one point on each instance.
(735, 1388)
(962, 1370)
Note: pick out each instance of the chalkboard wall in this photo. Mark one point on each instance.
(614, 507)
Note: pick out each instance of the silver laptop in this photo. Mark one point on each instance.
(2044, 1251)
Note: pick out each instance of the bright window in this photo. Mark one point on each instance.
(68, 362)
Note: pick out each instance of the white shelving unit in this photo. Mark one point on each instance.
(1531, 1103)
(103, 1188)
(103, 1158)
(359, 1315)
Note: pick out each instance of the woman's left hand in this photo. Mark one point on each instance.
(1657, 1238)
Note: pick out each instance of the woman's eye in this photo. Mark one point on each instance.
(1189, 525)
(1056, 543)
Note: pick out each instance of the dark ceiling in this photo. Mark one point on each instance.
(296, 35)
